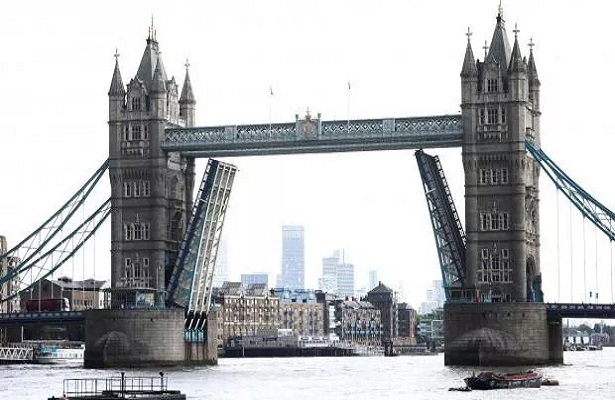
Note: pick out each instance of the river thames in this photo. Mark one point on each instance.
(589, 374)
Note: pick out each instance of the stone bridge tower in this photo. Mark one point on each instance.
(151, 191)
(500, 103)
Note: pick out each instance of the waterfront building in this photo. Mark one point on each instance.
(384, 299)
(358, 322)
(11, 287)
(258, 277)
(301, 312)
(81, 295)
(293, 257)
(430, 327)
(406, 322)
(244, 311)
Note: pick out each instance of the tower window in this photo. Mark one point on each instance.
(492, 85)
(492, 115)
(503, 115)
(136, 104)
(493, 221)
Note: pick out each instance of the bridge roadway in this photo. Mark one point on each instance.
(315, 136)
(581, 310)
(37, 317)
(564, 310)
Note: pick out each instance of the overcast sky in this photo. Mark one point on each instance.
(402, 58)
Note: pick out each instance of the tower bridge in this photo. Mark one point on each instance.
(164, 243)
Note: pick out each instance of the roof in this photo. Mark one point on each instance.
(187, 95)
(117, 86)
(499, 50)
(469, 68)
(531, 69)
(148, 64)
(88, 284)
(381, 289)
(516, 61)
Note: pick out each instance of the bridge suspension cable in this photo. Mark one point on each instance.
(590, 208)
(43, 266)
(38, 252)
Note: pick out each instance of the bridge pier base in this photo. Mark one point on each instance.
(500, 334)
(129, 338)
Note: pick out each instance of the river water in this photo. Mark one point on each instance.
(589, 374)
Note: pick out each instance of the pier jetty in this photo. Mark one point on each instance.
(119, 387)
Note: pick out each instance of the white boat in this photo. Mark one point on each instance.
(59, 355)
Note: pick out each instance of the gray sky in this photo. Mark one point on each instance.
(402, 58)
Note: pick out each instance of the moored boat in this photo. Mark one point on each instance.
(59, 355)
(487, 380)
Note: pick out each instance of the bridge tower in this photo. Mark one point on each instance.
(508, 323)
(151, 190)
(500, 103)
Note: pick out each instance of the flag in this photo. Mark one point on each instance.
(348, 85)
(270, 91)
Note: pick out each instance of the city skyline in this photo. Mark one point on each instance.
(371, 204)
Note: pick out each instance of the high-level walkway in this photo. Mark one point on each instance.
(311, 135)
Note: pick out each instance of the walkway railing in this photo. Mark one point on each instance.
(16, 353)
(117, 386)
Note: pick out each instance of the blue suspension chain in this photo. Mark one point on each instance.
(584, 265)
(571, 255)
(559, 286)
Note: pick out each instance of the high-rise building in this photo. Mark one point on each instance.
(345, 280)
(221, 274)
(337, 275)
(328, 281)
(293, 257)
(373, 279)
(257, 277)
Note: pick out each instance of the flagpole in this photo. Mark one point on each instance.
(270, 106)
(348, 109)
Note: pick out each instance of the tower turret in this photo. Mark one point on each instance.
(533, 81)
(469, 74)
(187, 101)
(117, 93)
(158, 93)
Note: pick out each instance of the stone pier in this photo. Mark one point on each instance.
(500, 334)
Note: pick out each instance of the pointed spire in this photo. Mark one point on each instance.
(149, 61)
(117, 86)
(531, 66)
(516, 60)
(499, 50)
(158, 82)
(187, 95)
(469, 65)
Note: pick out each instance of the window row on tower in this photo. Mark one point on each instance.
(493, 176)
(492, 115)
(136, 272)
(493, 221)
(137, 231)
(138, 188)
(494, 266)
(135, 132)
